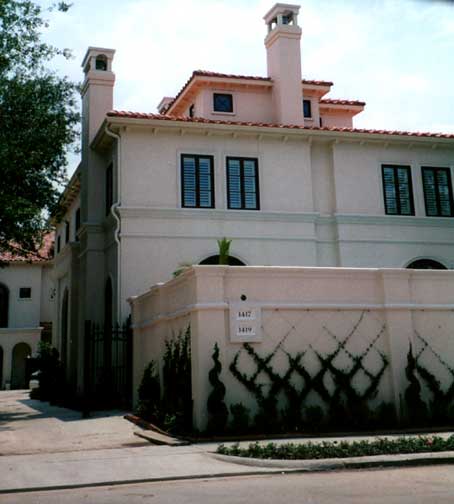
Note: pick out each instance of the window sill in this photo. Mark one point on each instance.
(215, 112)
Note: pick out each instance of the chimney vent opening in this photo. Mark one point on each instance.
(101, 63)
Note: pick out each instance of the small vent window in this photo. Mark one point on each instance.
(25, 293)
(222, 102)
(101, 63)
(307, 109)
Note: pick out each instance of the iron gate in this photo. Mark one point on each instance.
(108, 365)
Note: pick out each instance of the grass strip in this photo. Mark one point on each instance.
(340, 449)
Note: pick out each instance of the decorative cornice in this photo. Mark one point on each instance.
(215, 214)
(264, 216)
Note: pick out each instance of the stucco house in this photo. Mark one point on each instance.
(269, 161)
(26, 310)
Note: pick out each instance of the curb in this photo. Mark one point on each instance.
(405, 460)
(136, 481)
(264, 467)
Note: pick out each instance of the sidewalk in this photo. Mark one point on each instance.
(148, 463)
(21, 473)
(46, 447)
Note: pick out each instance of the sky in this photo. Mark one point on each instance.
(396, 55)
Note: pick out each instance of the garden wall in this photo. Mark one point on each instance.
(301, 331)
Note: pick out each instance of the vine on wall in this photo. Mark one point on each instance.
(347, 406)
(441, 403)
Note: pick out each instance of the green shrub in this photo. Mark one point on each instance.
(218, 412)
(341, 449)
(416, 408)
(240, 418)
(150, 406)
(51, 376)
(314, 417)
(177, 387)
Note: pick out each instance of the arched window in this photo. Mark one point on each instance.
(108, 301)
(4, 304)
(1, 368)
(426, 264)
(101, 63)
(64, 329)
(108, 328)
(20, 371)
(214, 260)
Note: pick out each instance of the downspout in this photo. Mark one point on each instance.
(116, 215)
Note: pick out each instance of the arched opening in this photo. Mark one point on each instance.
(426, 264)
(19, 372)
(108, 299)
(1, 368)
(214, 260)
(101, 63)
(4, 305)
(64, 329)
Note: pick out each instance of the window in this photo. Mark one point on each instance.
(242, 184)
(197, 181)
(222, 102)
(25, 292)
(437, 191)
(307, 109)
(58, 244)
(66, 231)
(77, 223)
(397, 190)
(101, 63)
(4, 303)
(191, 111)
(426, 264)
(109, 189)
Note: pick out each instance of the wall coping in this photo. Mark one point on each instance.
(20, 330)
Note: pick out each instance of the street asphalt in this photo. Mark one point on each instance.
(422, 485)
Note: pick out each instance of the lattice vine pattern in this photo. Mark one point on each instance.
(441, 402)
(335, 384)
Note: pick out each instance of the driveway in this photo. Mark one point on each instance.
(29, 427)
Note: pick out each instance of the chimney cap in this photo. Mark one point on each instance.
(280, 8)
(97, 51)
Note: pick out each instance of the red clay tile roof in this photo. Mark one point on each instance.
(160, 117)
(206, 73)
(42, 255)
(310, 82)
(332, 101)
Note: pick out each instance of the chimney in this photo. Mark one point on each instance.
(283, 55)
(97, 90)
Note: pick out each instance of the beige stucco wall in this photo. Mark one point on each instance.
(321, 205)
(23, 312)
(304, 309)
(25, 315)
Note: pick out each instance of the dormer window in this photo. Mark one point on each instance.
(223, 102)
(191, 111)
(101, 63)
(307, 109)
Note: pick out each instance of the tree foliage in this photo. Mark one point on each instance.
(38, 118)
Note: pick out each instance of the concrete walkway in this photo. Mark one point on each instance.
(45, 447)
(32, 427)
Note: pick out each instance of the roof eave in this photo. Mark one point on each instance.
(159, 124)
